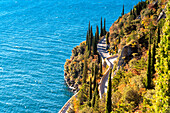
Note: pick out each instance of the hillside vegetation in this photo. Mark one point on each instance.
(141, 83)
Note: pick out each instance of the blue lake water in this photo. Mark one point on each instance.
(36, 38)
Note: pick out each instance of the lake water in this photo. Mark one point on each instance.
(36, 38)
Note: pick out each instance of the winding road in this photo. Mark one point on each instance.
(101, 48)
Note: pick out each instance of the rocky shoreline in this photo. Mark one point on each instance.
(71, 84)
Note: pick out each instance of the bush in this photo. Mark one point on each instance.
(131, 95)
(138, 82)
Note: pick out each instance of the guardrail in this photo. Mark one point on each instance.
(67, 104)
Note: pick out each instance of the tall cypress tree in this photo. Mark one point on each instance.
(109, 94)
(92, 69)
(87, 39)
(90, 93)
(96, 97)
(131, 12)
(101, 66)
(123, 10)
(104, 28)
(148, 84)
(89, 28)
(97, 33)
(101, 29)
(85, 69)
(158, 37)
(153, 59)
(91, 35)
(107, 38)
(149, 70)
(94, 80)
(95, 45)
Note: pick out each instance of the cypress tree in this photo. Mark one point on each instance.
(149, 71)
(92, 69)
(107, 38)
(95, 45)
(96, 97)
(93, 100)
(87, 38)
(97, 33)
(91, 35)
(85, 69)
(123, 10)
(148, 84)
(90, 93)
(101, 66)
(101, 30)
(158, 37)
(153, 58)
(89, 28)
(131, 12)
(104, 29)
(94, 80)
(109, 94)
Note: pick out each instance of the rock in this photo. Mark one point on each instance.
(126, 54)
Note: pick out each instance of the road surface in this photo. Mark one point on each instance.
(101, 47)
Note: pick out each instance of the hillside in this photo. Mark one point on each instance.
(140, 76)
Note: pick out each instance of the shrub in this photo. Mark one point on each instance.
(131, 95)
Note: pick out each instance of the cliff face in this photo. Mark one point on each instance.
(126, 54)
(73, 73)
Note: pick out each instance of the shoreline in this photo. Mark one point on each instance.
(73, 89)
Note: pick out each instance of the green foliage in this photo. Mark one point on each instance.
(161, 98)
(109, 94)
(116, 79)
(82, 96)
(138, 64)
(131, 95)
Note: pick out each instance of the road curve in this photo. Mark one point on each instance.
(67, 104)
(101, 47)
